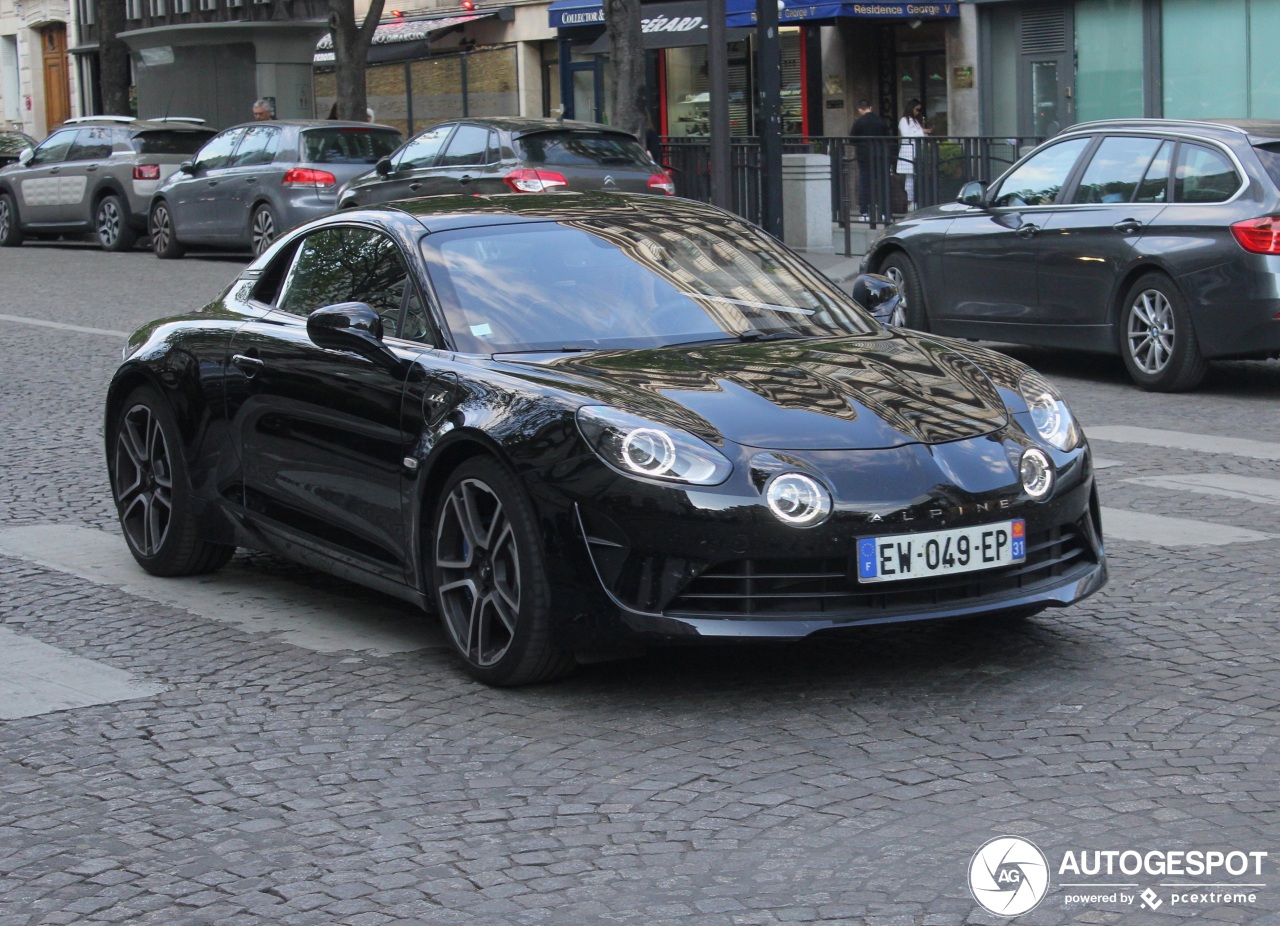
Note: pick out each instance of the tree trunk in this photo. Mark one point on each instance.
(626, 43)
(351, 55)
(113, 59)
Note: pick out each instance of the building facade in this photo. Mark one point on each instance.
(38, 86)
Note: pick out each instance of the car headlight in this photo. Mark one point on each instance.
(1049, 413)
(637, 446)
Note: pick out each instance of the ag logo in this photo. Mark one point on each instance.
(1008, 876)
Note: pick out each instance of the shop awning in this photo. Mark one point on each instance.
(672, 25)
(399, 41)
(569, 14)
(742, 13)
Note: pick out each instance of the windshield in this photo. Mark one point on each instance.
(170, 141)
(586, 284)
(348, 145)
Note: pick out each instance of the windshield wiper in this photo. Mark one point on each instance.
(777, 334)
(794, 310)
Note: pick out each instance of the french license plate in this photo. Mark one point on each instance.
(937, 553)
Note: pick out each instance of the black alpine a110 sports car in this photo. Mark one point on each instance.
(575, 423)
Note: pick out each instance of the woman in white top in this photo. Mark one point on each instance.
(910, 127)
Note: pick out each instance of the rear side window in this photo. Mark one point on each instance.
(1115, 170)
(166, 141)
(468, 146)
(1203, 175)
(582, 149)
(348, 145)
(1269, 155)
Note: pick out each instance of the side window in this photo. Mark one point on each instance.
(1038, 182)
(1203, 175)
(422, 151)
(348, 265)
(217, 152)
(467, 147)
(1155, 185)
(1115, 170)
(257, 146)
(92, 144)
(54, 148)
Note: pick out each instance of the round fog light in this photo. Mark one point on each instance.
(1037, 473)
(798, 500)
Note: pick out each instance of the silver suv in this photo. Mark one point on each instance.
(94, 174)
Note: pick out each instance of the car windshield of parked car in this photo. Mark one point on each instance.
(348, 145)
(586, 284)
(582, 149)
(167, 141)
(1037, 181)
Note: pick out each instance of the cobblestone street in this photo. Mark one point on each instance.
(287, 749)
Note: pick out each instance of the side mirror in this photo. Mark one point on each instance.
(354, 327)
(187, 167)
(25, 156)
(383, 167)
(973, 193)
(877, 294)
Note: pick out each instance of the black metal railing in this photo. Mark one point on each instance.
(876, 177)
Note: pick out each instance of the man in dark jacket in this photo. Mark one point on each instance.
(868, 126)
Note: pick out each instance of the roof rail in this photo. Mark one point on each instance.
(190, 120)
(76, 120)
(1138, 120)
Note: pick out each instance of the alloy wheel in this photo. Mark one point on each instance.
(161, 229)
(6, 217)
(899, 316)
(144, 480)
(478, 560)
(108, 222)
(264, 230)
(1150, 331)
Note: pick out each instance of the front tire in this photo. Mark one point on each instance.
(490, 578)
(263, 229)
(111, 220)
(164, 235)
(10, 232)
(911, 311)
(1157, 341)
(152, 495)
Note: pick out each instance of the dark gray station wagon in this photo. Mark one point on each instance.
(1155, 239)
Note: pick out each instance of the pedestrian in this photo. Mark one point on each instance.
(264, 109)
(910, 127)
(868, 127)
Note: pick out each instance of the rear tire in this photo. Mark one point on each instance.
(164, 236)
(489, 576)
(1157, 340)
(10, 233)
(902, 270)
(152, 494)
(111, 221)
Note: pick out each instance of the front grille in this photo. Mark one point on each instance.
(780, 588)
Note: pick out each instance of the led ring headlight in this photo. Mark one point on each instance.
(797, 499)
(1036, 471)
(649, 451)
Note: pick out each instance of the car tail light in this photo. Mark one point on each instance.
(306, 176)
(1261, 236)
(664, 183)
(146, 172)
(528, 180)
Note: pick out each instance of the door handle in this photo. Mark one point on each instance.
(250, 179)
(465, 179)
(1127, 226)
(213, 183)
(247, 365)
(1028, 230)
(55, 170)
(91, 167)
(415, 187)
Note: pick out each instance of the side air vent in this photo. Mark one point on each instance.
(1044, 30)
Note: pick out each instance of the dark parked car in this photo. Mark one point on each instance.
(13, 144)
(94, 174)
(565, 421)
(510, 155)
(1155, 239)
(253, 181)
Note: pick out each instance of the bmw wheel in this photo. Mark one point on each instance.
(164, 237)
(490, 579)
(910, 312)
(152, 496)
(1157, 341)
(262, 228)
(111, 220)
(10, 233)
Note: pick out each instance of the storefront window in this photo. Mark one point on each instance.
(1109, 84)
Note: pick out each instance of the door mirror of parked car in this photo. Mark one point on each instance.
(877, 294)
(973, 193)
(383, 167)
(25, 156)
(354, 327)
(187, 167)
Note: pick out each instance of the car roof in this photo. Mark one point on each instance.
(180, 123)
(525, 125)
(1255, 130)
(441, 213)
(316, 124)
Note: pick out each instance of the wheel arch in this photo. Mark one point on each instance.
(1124, 283)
